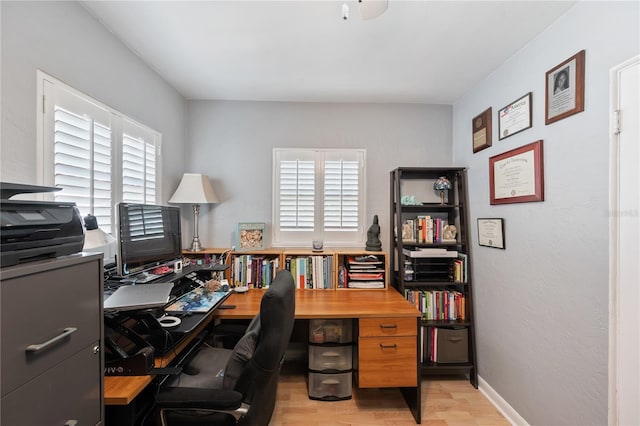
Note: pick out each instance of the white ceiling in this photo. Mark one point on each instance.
(416, 52)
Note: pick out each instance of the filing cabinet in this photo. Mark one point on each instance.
(51, 329)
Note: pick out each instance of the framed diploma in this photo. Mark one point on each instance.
(564, 88)
(517, 176)
(481, 126)
(515, 117)
(491, 233)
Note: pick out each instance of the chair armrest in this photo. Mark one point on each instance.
(199, 398)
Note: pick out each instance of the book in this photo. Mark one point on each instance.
(409, 231)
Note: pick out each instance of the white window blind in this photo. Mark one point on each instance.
(318, 194)
(297, 194)
(138, 170)
(80, 138)
(341, 195)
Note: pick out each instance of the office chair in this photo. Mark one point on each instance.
(235, 386)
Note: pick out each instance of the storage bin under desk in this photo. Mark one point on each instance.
(330, 387)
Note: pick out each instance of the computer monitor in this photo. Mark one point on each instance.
(148, 237)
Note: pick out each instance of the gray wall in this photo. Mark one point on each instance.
(61, 39)
(542, 304)
(232, 142)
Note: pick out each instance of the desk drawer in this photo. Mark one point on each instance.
(69, 391)
(387, 362)
(387, 327)
(37, 308)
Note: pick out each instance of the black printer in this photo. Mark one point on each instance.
(33, 230)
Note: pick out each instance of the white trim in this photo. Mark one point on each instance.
(501, 405)
(614, 202)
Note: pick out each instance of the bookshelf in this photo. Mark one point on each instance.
(329, 269)
(431, 267)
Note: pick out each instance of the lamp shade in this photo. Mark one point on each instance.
(441, 184)
(194, 188)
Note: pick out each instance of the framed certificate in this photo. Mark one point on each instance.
(481, 129)
(564, 89)
(491, 232)
(515, 117)
(517, 176)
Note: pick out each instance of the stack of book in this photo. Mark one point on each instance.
(312, 272)
(254, 271)
(364, 272)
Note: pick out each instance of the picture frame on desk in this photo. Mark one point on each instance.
(250, 236)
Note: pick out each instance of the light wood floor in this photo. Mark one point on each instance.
(445, 402)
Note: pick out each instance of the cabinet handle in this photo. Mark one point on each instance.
(38, 347)
(383, 346)
(388, 326)
(71, 423)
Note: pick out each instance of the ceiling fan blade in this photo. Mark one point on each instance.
(370, 9)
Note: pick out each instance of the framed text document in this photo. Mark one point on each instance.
(516, 176)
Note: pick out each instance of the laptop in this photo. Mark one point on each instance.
(139, 296)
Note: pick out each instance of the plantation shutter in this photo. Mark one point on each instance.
(341, 195)
(81, 138)
(297, 194)
(318, 194)
(139, 156)
(82, 161)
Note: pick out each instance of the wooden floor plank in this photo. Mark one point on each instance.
(445, 402)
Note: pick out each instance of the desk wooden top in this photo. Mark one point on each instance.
(310, 304)
(326, 304)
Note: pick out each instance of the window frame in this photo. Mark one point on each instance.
(301, 238)
(119, 122)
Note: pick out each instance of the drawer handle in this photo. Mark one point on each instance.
(388, 326)
(71, 423)
(383, 346)
(37, 348)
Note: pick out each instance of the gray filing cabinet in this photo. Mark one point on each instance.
(51, 321)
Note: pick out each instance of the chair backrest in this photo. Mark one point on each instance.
(257, 379)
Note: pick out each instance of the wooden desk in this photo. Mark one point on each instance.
(378, 366)
(388, 327)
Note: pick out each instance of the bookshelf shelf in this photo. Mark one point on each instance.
(433, 274)
(329, 269)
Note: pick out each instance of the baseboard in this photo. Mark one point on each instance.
(507, 411)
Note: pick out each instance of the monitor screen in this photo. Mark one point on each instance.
(148, 237)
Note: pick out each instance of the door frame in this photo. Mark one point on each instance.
(615, 346)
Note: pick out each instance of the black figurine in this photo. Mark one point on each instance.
(373, 236)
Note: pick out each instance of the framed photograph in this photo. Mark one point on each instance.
(565, 89)
(250, 236)
(517, 176)
(491, 232)
(515, 117)
(481, 129)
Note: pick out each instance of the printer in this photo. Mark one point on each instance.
(33, 230)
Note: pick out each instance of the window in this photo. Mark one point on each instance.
(95, 154)
(318, 194)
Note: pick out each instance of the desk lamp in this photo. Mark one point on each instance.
(442, 184)
(195, 189)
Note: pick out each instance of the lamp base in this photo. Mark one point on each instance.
(195, 245)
